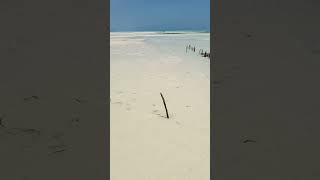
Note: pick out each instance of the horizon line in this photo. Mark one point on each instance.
(183, 30)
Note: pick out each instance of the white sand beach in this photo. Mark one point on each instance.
(145, 145)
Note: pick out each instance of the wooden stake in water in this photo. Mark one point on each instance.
(165, 106)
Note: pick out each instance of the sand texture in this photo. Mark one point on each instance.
(145, 145)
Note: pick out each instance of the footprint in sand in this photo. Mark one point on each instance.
(56, 136)
(24, 132)
(188, 74)
(217, 83)
(228, 76)
(55, 143)
(246, 35)
(128, 107)
(118, 102)
(235, 67)
(57, 148)
(119, 92)
(155, 111)
(75, 121)
(81, 101)
(31, 98)
(28, 136)
(1, 121)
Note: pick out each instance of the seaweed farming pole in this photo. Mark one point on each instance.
(165, 106)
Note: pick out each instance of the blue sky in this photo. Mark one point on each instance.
(158, 15)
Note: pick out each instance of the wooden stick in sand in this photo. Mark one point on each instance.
(165, 106)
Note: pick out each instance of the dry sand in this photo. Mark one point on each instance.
(144, 144)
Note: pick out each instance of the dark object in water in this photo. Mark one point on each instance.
(165, 106)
